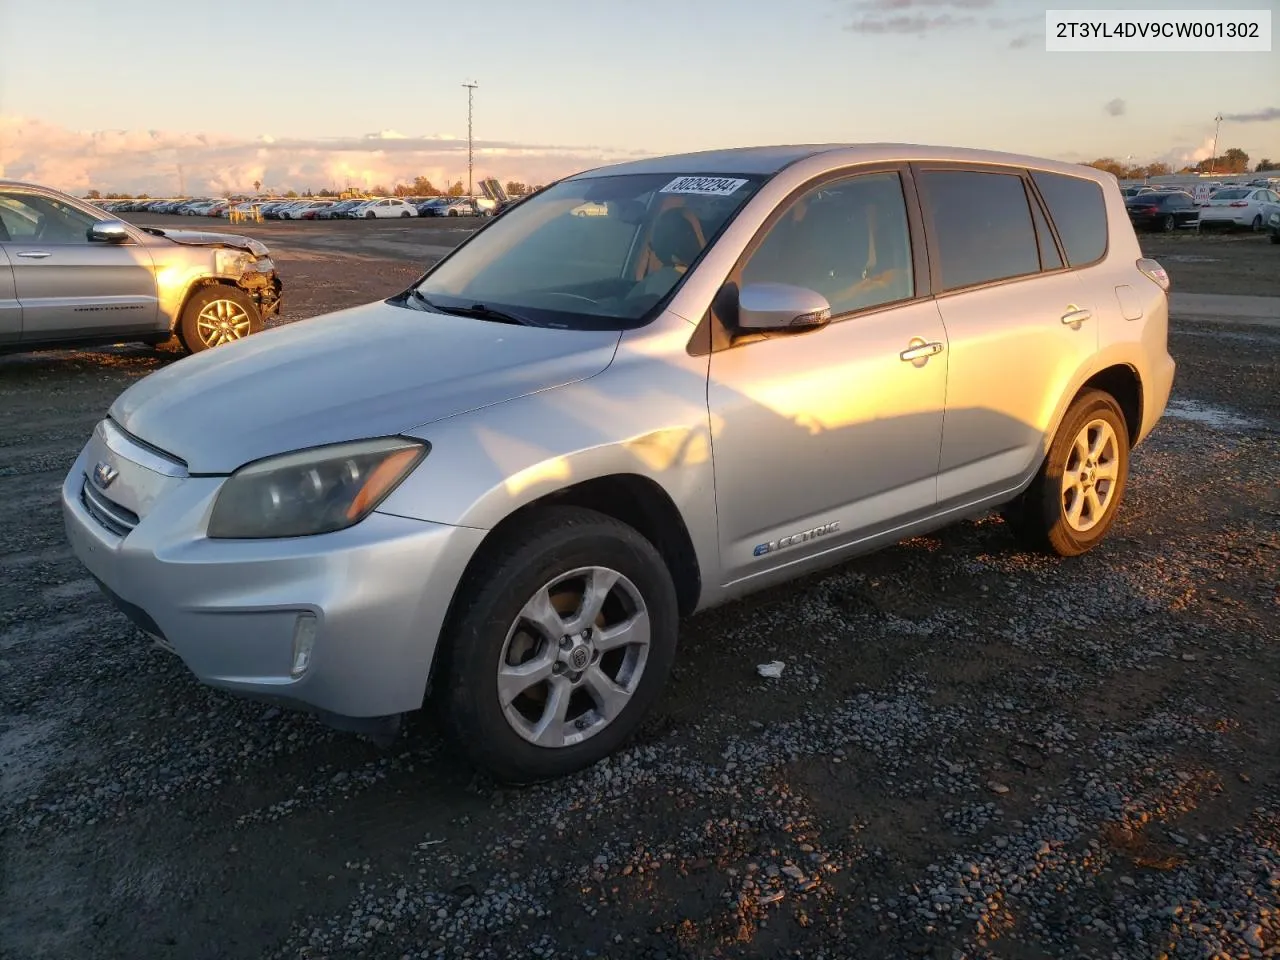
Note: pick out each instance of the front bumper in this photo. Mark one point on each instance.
(379, 592)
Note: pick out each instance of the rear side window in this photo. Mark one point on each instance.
(982, 226)
(1079, 212)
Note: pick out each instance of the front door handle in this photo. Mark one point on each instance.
(921, 351)
(1075, 315)
(34, 254)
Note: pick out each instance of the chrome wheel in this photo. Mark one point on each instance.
(221, 322)
(574, 657)
(1090, 476)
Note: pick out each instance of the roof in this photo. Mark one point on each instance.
(767, 160)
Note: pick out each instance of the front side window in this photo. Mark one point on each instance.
(848, 240)
(590, 253)
(982, 226)
(32, 217)
(1078, 211)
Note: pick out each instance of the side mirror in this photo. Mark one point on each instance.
(108, 231)
(781, 308)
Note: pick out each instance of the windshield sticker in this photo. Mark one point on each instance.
(705, 186)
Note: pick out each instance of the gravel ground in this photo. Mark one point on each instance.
(973, 752)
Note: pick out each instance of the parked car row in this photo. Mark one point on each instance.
(313, 208)
(1168, 208)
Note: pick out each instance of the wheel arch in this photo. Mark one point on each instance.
(630, 498)
(1122, 382)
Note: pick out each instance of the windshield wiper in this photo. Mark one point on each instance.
(478, 310)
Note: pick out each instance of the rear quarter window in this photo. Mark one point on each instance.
(1079, 212)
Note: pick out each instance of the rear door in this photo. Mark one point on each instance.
(1020, 325)
(67, 285)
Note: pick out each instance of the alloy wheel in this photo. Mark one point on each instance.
(221, 322)
(1090, 476)
(574, 657)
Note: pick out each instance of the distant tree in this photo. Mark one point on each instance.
(378, 191)
(257, 185)
(1108, 165)
(1158, 169)
(403, 190)
(457, 189)
(291, 194)
(516, 189)
(1237, 160)
(1234, 160)
(422, 187)
(93, 195)
(536, 188)
(144, 196)
(1266, 163)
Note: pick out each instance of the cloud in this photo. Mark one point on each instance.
(133, 161)
(918, 25)
(1260, 116)
(1184, 155)
(921, 17)
(1023, 40)
(1115, 108)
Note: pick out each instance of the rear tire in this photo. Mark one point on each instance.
(404, 213)
(218, 314)
(1073, 500)
(493, 631)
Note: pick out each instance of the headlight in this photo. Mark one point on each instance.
(231, 263)
(312, 491)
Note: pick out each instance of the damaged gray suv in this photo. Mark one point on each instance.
(70, 276)
(500, 490)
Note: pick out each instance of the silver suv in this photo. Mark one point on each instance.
(500, 490)
(71, 276)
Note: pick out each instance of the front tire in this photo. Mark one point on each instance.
(562, 638)
(1073, 500)
(1167, 224)
(1256, 226)
(218, 314)
(369, 215)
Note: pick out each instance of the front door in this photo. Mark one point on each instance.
(10, 309)
(821, 439)
(67, 285)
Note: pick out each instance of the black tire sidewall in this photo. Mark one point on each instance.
(477, 634)
(1167, 224)
(187, 326)
(1046, 510)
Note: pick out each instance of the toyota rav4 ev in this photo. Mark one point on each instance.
(500, 490)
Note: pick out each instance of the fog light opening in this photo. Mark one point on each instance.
(304, 639)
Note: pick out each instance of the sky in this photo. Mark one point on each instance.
(152, 95)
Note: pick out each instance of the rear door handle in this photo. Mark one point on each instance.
(1075, 315)
(921, 351)
(34, 254)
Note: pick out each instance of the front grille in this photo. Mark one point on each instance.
(110, 514)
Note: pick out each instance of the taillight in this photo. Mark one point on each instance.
(1155, 272)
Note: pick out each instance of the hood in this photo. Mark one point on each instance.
(200, 238)
(370, 371)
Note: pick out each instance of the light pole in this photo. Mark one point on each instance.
(1213, 161)
(471, 89)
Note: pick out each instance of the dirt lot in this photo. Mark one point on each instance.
(973, 752)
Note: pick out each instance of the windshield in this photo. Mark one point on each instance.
(593, 253)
